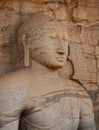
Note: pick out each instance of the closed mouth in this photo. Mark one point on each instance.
(59, 59)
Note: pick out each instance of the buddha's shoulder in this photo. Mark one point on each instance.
(76, 88)
(14, 78)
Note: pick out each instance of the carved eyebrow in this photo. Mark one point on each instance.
(54, 36)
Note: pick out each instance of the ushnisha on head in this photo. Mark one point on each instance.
(44, 40)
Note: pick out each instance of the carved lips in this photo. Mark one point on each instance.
(60, 59)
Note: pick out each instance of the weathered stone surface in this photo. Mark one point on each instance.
(82, 21)
(45, 98)
(90, 35)
(86, 12)
(82, 64)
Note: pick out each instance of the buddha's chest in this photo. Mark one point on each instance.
(56, 110)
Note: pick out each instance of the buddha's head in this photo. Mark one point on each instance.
(44, 40)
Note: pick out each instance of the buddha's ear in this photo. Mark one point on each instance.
(26, 50)
(24, 39)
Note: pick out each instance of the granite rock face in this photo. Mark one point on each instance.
(82, 23)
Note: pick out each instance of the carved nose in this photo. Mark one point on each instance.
(60, 46)
(61, 50)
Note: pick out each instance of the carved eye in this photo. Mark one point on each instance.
(53, 36)
(64, 37)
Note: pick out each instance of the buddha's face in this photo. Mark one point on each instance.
(51, 48)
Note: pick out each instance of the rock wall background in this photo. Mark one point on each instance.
(82, 20)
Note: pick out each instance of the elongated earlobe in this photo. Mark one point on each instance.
(26, 51)
(26, 57)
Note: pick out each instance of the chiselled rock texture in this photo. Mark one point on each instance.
(82, 20)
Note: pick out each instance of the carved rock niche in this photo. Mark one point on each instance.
(80, 19)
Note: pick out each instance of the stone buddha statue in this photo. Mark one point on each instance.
(36, 97)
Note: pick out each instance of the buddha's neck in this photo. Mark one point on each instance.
(41, 70)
